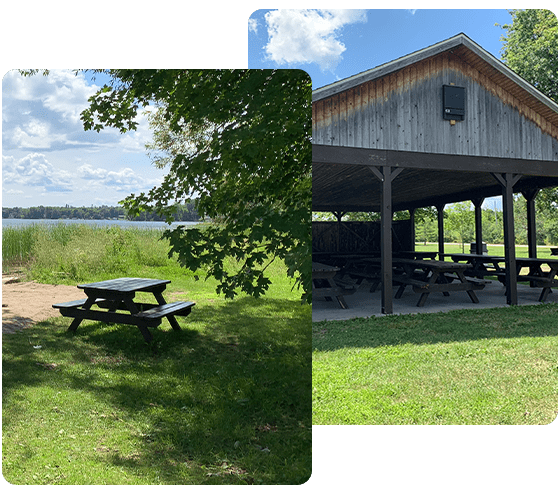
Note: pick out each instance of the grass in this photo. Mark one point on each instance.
(61, 253)
(497, 366)
(225, 401)
(493, 249)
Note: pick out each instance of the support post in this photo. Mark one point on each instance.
(339, 216)
(478, 223)
(531, 221)
(441, 246)
(508, 180)
(386, 175)
(412, 212)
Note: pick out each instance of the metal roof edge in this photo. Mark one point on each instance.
(450, 43)
(500, 66)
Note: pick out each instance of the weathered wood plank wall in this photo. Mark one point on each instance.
(357, 237)
(403, 111)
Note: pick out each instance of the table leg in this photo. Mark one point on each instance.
(408, 272)
(442, 279)
(172, 320)
(472, 295)
(342, 302)
(424, 296)
(76, 322)
(547, 290)
(544, 294)
(131, 306)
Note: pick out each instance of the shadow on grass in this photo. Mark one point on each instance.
(227, 400)
(432, 328)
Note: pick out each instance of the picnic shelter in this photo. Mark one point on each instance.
(445, 124)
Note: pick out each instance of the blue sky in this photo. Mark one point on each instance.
(335, 44)
(47, 157)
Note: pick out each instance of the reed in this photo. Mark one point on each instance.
(60, 252)
(18, 244)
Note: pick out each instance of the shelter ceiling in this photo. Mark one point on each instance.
(340, 186)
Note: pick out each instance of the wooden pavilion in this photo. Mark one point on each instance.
(445, 124)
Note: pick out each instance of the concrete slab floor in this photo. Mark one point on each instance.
(365, 304)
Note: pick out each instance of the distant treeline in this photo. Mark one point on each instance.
(185, 212)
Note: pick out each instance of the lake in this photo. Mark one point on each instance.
(159, 225)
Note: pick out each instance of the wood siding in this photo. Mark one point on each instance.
(403, 111)
(358, 237)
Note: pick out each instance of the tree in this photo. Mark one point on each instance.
(247, 163)
(531, 48)
(460, 220)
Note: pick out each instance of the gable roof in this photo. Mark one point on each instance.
(474, 55)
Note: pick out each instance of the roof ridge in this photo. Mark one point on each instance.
(434, 49)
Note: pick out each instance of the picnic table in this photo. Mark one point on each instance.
(325, 286)
(427, 276)
(482, 264)
(537, 274)
(119, 294)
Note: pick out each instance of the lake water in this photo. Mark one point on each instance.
(159, 225)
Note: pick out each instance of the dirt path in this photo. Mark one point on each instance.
(24, 303)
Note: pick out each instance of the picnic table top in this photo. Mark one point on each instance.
(323, 267)
(126, 285)
(486, 257)
(425, 263)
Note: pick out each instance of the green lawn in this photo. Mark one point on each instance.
(493, 249)
(225, 401)
(497, 366)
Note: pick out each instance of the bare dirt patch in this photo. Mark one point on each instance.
(24, 303)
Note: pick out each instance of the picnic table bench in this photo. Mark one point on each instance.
(427, 276)
(325, 286)
(119, 294)
(367, 267)
(537, 275)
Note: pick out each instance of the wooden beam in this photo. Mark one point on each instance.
(531, 221)
(386, 243)
(508, 181)
(441, 245)
(412, 213)
(478, 223)
(387, 239)
(358, 156)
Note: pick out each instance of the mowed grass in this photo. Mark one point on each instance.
(497, 366)
(225, 401)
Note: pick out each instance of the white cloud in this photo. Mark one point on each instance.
(46, 151)
(36, 171)
(68, 94)
(123, 180)
(35, 134)
(88, 172)
(43, 112)
(253, 25)
(308, 36)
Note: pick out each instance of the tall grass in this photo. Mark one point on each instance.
(18, 244)
(68, 253)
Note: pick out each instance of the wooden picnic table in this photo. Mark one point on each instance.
(119, 294)
(416, 254)
(538, 275)
(427, 276)
(367, 267)
(325, 286)
(482, 264)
